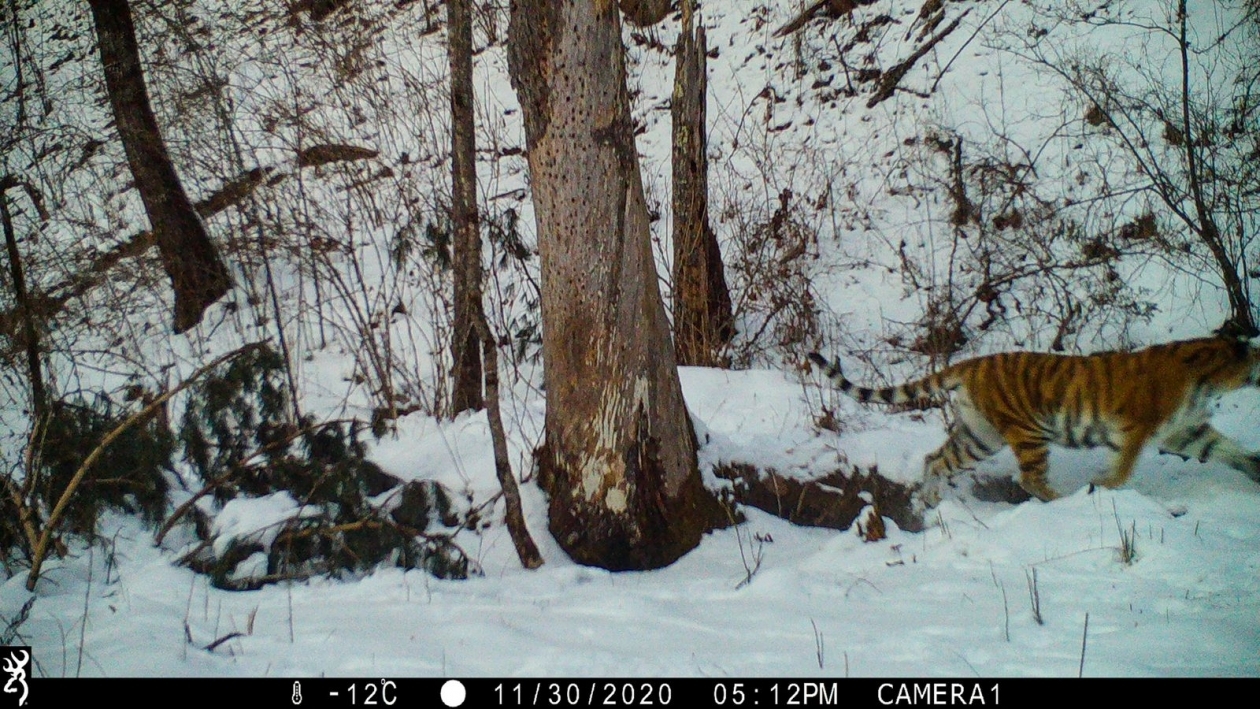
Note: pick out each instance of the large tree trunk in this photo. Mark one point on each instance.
(703, 323)
(466, 256)
(619, 460)
(197, 274)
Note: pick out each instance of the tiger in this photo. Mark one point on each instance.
(1118, 400)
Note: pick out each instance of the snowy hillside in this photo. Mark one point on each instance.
(876, 264)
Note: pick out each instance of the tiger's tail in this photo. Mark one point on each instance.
(929, 388)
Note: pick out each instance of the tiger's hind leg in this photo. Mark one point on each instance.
(971, 440)
(1204, 443)
(1032, 451)
(1126, 457)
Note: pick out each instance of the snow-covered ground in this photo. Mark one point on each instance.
(766, 598)
(954, 600)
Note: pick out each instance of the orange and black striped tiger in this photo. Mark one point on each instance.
(1121, 400)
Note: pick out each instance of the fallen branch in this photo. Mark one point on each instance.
(41, 547)
(891, 78)
(220, 641)
(226, 477)
(835, 9)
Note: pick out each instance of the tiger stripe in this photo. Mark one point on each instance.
(1118, 400)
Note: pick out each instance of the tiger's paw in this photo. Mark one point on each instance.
(928, 493)
(1040, 490)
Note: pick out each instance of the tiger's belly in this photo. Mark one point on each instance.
(1083, 432)
(1077, 431)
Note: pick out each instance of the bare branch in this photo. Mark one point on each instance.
(50, 527)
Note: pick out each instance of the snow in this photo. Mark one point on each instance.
(940, 603)
(257, 519)
(766, 598)
(953, 600)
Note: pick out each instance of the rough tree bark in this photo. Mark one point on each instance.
(198, 275)
(703, 322)
(466, 248)
(619, 459)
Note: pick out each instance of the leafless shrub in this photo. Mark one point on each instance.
(775, 306)
(313, 158)
(1018, 263)
(1181, 132)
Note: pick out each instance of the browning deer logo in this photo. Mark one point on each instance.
(15, 661)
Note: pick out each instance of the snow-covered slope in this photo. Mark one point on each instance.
(870, 198)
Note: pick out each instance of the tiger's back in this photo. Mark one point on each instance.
(1120, 400)
(1072, 398)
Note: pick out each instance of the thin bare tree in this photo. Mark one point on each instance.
(29, 337)
(466, 247)
(472, 331)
